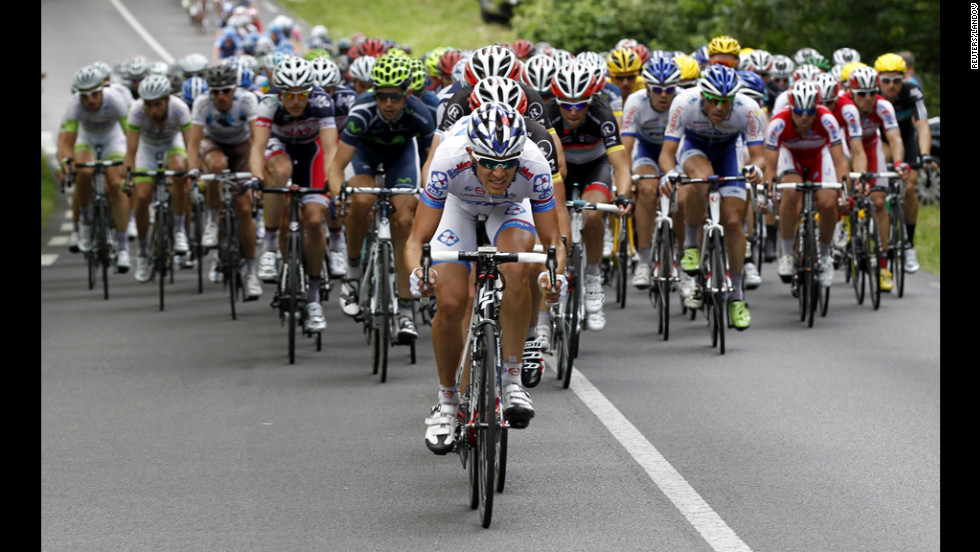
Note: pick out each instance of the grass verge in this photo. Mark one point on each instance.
(48, 192)
(927, 238)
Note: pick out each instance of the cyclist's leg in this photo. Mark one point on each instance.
(358, 220)
(278, 171)
(402, 172)
(646, 206)
(180, 193)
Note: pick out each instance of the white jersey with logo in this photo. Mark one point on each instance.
(154, 134)
(642, 121)
(687, 118)
(101, 125)
(230, 128)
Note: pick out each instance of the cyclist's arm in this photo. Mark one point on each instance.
(335, 178)
(132, 143)
(559, 152)
(925, 136)
(859, 158)
(772, 161)
(328, 141)
(423, 228)
(546, 225)
(668, 154)
(432, 151)
(622, 174)
(194, 147)
(256, 157)
(66, 148)
(757, 157)
(894, 136)
(840, 161)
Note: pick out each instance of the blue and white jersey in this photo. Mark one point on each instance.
(687, 119)
(230, 128)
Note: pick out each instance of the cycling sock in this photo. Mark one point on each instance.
(787, 246)
(910, 230)
(511, 373)
(336, 238)
(85, 214)
(646, 254)
(691, 236)
(544, 318)
(271, 240)
(591, 269)
(354, 268)
(531, 334)
(824, 249)
(736, 288)
(143, 246)
(250, 266)
(771, 234)
(405, 307)
(212, 214)
(448, 395)
(123, 239)
(179, 225)
(313, 293)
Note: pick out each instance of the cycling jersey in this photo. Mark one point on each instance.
(806, 154)
(614, 96)
(96, 124)
(304, 129)
(230, 128)
(881, 115)
(644, 123)
(365, 125)
(178, 119)
(910, 106)
(343, 99)
(535, 131)
(593, 139)
(459, 105)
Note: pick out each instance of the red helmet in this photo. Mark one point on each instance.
(448, 60)
(373, 47)
(523, 48)
(642, 51)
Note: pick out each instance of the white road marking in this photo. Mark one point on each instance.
(709, 524)
(58, 241)
(67, 227)
(68, 214)
(49, 259)
(269, 6)
(160, 50)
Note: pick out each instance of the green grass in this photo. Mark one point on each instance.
(927, 238)
(421, 24)
(48, 191)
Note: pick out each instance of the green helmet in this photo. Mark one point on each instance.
(392, 71)
(432, 61)
(819, 62)
(418, 74)
(317, 53)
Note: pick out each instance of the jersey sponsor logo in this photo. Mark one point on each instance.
(449, 238)
(353, 128)
(479, 190)
(454, 112)
(438, 182)
(535, 110)
(453, 173)
(542, 185)
(514, 209)
(546, 148)
(608, 129)
(526, 173)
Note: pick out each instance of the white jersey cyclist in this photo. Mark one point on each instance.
(230, 128)
(155, 138)
(103, 127)
(645, 124)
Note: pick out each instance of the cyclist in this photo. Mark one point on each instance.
(877, 112)
(295, 137)
(644, 122)
(95, 117)
(596, 159)
(624, 71)
(803, 141)
(724, 50)
(227, 44)
(157, 128)
(491, 169)
(222, 123)
(913, 123)
(386, 126)
(710, 119)
(360, 74)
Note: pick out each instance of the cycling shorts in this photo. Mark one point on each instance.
(817, 168)
(237, 156)
(646, 154)
(724, 160)
(594, 175)
(308, 171)
(457, 227)
(401, 166)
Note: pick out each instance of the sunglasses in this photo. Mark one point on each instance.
(891, 80)
(221, 91)
(801, 111)
(728, 63)
(494, 164)
(389, 96)
(865, 93)
(658, 90)
(574, 106)
(624, 77)
(90, 93)
(287, 95)
(716, 99)
(154, 104)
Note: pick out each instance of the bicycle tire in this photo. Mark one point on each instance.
(100, 230)
(488, 418)
(292, 291)
(226, 252)
(858, 258)
(501, 462)
(897, 246)
(810, 268)
(385, 307)
(559, 344)
(622, 262)
(665, 264)
(718, 284)
(874, 262)
(198, 221)
(578, 300)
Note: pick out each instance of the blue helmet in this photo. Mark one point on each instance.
(661, 70)
(194, 87)
(752, 85)
(720, 80)
(701, 55)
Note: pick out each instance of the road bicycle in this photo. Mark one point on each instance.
(712, 279)
(290, 298)
(898, 238)
(568, 316)
(104, 245)
(622, 256)
(760, 199)
(664, 274)
(161, 242)
(863, 252)
(805, 281)
(378, 286)
(480, 435)
(230, 259)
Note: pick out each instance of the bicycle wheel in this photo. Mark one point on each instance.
(578, 299)
(488, 418)
(874, 262)
(100, 251)
(663, 274)
(559, 341)
(809, 270)
(897, 246)
(197, 214)
(718, 294)
(858, 258)
(228, 257)
(385, 307)
(292, 290)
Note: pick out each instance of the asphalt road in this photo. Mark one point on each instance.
(184, 430)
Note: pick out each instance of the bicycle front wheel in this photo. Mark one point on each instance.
(719, 295)
(874, 263)
(898, 243)
(292, 294)
(663, 275)
(488, 418)
(198, 236)
(809, 270)
(858, 258)
(385, 308)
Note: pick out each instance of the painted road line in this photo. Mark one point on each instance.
(48, 259)
(160, 50)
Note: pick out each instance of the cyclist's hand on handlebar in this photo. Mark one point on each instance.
(625, 205)
(752, 174)
(415, 283)
(902, 169)
(667, 182)
(550, 295)
(194, 174)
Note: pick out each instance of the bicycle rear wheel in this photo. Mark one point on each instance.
(898, 241)
(874, 263)
(488, 418)
(858, 258)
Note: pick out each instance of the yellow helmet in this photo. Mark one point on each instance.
(890, 62)
(746, 51)
(624, 61)
(689, 67)
(723, 45)
(845, 72)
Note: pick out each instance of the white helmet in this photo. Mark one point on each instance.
(193, 64)
(828, 86)
(87, 78)
(293, 72)
(496, 130)
(864, 78)
(804, 95)
(843, 56)
(501, 90)
(574, 80)
(538, 72)
(325, 72)
(154, 87)
(319, 31)
(782, 66)
(360, 68)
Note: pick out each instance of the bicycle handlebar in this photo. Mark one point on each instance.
(638, 177)
(225, 176)
(808, 185)
(588, 205)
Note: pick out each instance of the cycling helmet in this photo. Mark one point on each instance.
(447, 61)
(360, 68)
(137, 67)
(819, 62)
(888, 63)
(193, 64)
(643, 52)
(662, 71)
(87, 78)
(626, 43)
(805, 72)
(418, 74)
(496, 130)
(292, 73)
(263, 45)
(491, 61)
(154, 87)
(432, 59)
(752, 85)
(599, 78)
(371, 47)
(804, 95)
(500, 90)
(843, 56)
(176, 81)
(391, 71)
(720, 80)
(723, 45)
(624, 61)
(864, 78)
(760, 61)
(538, 72)
(700, 55)
(396, 51)
(221, 76)
(244, 75)
(459, 71)
(194, 87)
(845, 71)
(591, 58)
(159, 68)
(318, 31)
(102, 68)
(803, 54)
(573, 81)
(828, 86)
(782, 66)
(688, 66)
(562, 57)
(326, 73)
(523, 48)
